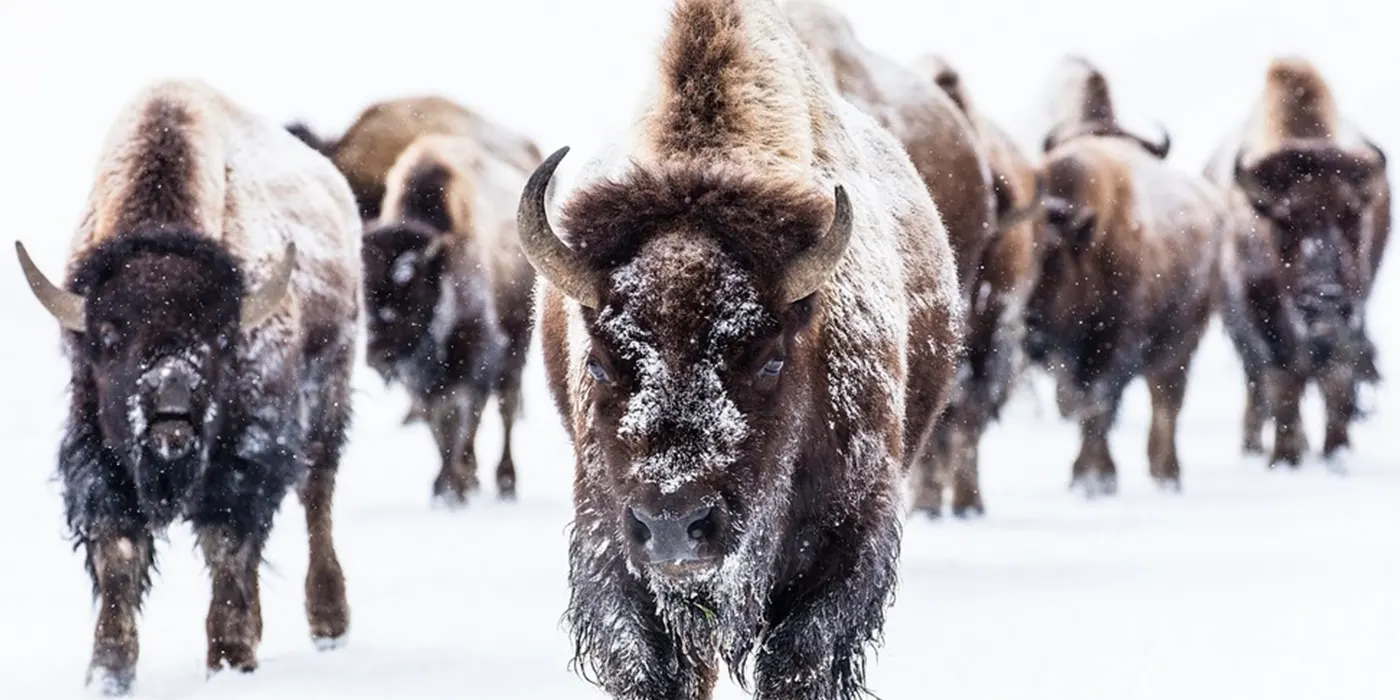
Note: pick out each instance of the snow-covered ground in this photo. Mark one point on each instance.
(1249, 584)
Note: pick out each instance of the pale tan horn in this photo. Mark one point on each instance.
(811, 269)
(261, 304)
(70, 309)
(551, 257)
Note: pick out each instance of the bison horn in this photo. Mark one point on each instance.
(554, 260)
(1162, 147)
(811, 269)
(262, 303)
(70, 309)
(1016, 217)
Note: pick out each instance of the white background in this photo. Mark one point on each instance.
(1248, 585)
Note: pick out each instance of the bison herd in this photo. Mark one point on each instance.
(778, 314)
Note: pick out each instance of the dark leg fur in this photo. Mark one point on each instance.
(816, 650)
(510, 408)
(1094, 471)
(234, 623)
(926, 480)
(1256, 412)
(327, 611)
(1168, 391)
(120, 567)
(454, 420)
(1339, 392)
(1285, 395)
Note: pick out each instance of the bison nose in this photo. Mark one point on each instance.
(174, 395)
(672, 539)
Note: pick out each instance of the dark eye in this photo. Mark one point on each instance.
(773, 368)
(109, 338)
(597, 371)
(223, 341)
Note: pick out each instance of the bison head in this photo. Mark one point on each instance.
(404, 265)
(157, 318)
(696, 285)
(1316, 201)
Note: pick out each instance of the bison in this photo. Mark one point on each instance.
(1125, 288)
(209, 316)
(1312, 202)
(447, 296)
(373, 143)
(750, 318)
(996, 332)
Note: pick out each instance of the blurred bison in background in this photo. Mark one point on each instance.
(209, 312)
(1312, 202)
(1126, 284)
(750, 321)
(994, 358)
(447, 295)
(373, 143)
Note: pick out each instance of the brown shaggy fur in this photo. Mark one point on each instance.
(668, 391)
(940, 142)
(369, 148)
(1125, 291)
(996, 322)
(1311, 201)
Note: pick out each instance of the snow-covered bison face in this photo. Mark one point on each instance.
(1317, 201)
(696, 284)
(403, 269)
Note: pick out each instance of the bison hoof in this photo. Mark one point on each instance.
(238, 656)
(1095, 485)
(1253, 446)
(1169, 484)
(930, 512)
(1287, 459)
(969, 512)
(111, 682)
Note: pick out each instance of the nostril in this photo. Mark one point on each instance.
(637, 528)
(702, 525)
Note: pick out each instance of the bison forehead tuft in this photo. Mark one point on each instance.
(681, 307)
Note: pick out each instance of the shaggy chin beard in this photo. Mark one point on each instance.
(163, 483)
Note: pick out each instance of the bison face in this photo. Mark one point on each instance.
(690, 372)
(1316, 203)
(695, 285)
(403, 270)
(1059, 292)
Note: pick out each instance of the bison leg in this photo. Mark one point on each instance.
(1255, 413)
(927, 479)
(962, 451)
(454, 423)
(817, 649)
(1285, 395)
(327, 610)
(1094, 472)
(1168, 391)
(120, 567)
(1339, 393)
(234, 623)
(510, 408)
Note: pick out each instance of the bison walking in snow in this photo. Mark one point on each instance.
(447, 296)
(209, 311)
(750, 319)
(1312, 204)
(1126, 284)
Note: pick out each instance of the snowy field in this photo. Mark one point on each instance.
(1249, 584)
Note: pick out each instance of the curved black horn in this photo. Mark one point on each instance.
(554, 260)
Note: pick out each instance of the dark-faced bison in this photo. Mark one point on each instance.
(209, 315)
(447, 296)
(750, 319)
(1126, 285)
(1312, 205)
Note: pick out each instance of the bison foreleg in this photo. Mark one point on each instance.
(510, 409)
(120, 566)
(1094, 471)
(817, 650)
(1285, 395)
(234, 624)
(326, 608)
(1168, 391)
(1339, 392)
(454, 421)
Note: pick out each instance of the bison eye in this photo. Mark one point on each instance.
(388, 315)
(109, 338)
(597, 371)
(223, 341)
(773, 368)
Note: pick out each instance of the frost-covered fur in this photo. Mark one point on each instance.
(1125, 291)
(194, 199)
(996, 318)
(1082, 105)
(728, 176)
(448, 296)
(1312, 217)
(936, 134)
(374, 142)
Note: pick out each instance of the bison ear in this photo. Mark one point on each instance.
(1257, 184)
